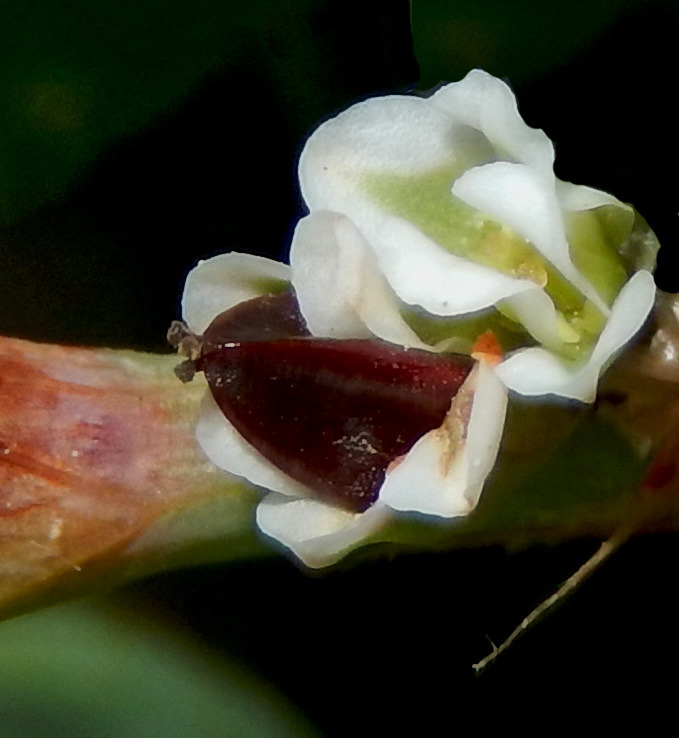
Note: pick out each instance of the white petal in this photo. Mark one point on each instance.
(337, 280)
(422, 273)
(393, 134)
(339, 286)
(228, 450)
(217, 284)
(630, 310)
(413, 136)
(317, 533)
(522, 199)
(487, 104)
(535, 310)
(581, 197)
(463, 123)
(535, 371)
(435, 479)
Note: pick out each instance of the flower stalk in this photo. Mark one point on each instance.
(139, 496)
(100, 474)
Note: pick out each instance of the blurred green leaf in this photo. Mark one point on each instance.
(76, 76)
(80, 672)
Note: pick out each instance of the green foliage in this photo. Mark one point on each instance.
(76, 672)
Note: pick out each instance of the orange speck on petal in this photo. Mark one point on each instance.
(487, 348)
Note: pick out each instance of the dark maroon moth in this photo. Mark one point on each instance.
(332, 414)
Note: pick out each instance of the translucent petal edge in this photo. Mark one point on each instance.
(219, 283)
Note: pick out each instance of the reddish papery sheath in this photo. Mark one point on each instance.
(333, 414)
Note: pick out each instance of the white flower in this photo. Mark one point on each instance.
(442, 475)
(447, 207)
(431, 221)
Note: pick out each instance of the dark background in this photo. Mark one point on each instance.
(138, 138)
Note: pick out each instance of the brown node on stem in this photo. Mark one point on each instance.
(187, 344)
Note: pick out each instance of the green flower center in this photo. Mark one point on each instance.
(426, 201)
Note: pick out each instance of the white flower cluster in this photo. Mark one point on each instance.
(430, 217)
